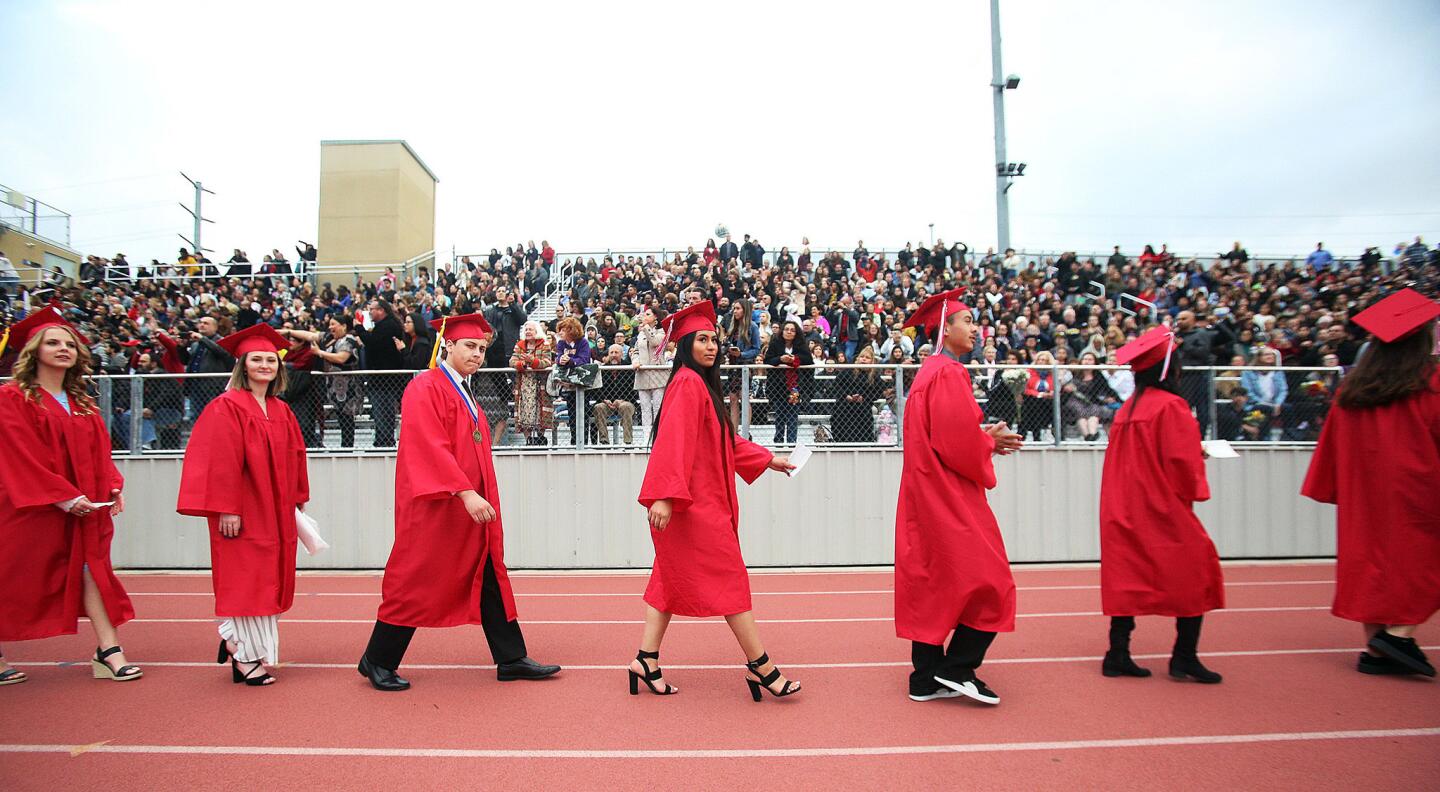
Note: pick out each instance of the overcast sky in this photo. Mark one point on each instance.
(622, 125)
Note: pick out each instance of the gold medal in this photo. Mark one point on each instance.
(477, 437)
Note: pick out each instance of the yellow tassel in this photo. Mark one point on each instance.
(282, 353)
(4, 340)
(439, 339)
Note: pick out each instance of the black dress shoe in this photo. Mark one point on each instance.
(1403, 651)
(524, 668)
(381, 678)
(1380, 666)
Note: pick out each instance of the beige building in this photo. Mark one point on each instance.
(34, 255)
(377, 207)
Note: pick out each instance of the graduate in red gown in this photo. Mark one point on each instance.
(245, 473)
(55, 477)
(694, 515)
(951, 571)
(1155, 557)
(447, 567)
(1377, 461)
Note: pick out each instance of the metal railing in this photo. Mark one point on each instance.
(850, 406)
(36, 217)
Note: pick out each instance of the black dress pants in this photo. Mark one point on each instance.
(957, 664)
(388, 642)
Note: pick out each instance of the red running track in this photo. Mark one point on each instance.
(1291, 714)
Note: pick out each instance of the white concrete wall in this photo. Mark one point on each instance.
(578, 510)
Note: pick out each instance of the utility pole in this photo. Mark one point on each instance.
(195, 213)
(1004, 170)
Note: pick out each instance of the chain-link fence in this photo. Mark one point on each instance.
(856, 406)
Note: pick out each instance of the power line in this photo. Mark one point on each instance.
(1233, 217)
(94, 183)
(119, 209)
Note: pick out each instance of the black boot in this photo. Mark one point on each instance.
(1184, 663)
(1117, 661)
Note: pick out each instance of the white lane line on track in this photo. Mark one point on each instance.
(733, 667)
(729, 753)
(753, 593)
(837, 620)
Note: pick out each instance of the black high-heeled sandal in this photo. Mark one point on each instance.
(224, 652)
(253, 681)
(753, 666)
(103, 670)
(650, 676)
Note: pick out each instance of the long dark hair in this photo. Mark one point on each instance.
(1146, 379)
(1390, 372)
(685, 358)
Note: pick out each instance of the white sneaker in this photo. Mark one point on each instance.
(972, 688)
(942, 693)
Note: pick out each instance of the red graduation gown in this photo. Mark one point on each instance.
(239, 461)
(698, 569)
(950, 562)
(437, 565)
(1155, 557)
(1379, 467)
(52, 456)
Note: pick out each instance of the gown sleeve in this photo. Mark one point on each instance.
(1322, 480)
(212, 477)
(955, 432)
(667, 476)
(26, 479)
(1181, 455)
(751, 459)
(112, 473)
(302, 468)
(430, 437)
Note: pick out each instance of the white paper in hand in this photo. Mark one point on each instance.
(309, 532)
(799, 457)
(1219, 449)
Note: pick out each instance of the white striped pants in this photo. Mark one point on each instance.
(256, 638)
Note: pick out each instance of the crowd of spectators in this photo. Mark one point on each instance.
(790, 314)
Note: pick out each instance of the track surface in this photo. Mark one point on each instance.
(1291, 714)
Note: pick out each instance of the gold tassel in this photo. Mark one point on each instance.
(4, 340)
(439, 339)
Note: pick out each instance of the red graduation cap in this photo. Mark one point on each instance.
(933, 311)
(256, 338)
(49, 316)
(1398, 315)
(454, 328)
(691, 319)
(1151, 349)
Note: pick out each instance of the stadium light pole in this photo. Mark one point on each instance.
(998, 84)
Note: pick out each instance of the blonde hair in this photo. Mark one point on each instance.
(27, 367)
(239, 380)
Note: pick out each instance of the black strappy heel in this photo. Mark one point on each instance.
(237, 676)
(103, 670)
(223, 656)
(650, 676)
(753, 666)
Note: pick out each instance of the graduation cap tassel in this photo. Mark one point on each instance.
(4, 340)
(1169, 350)
(439, 339)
